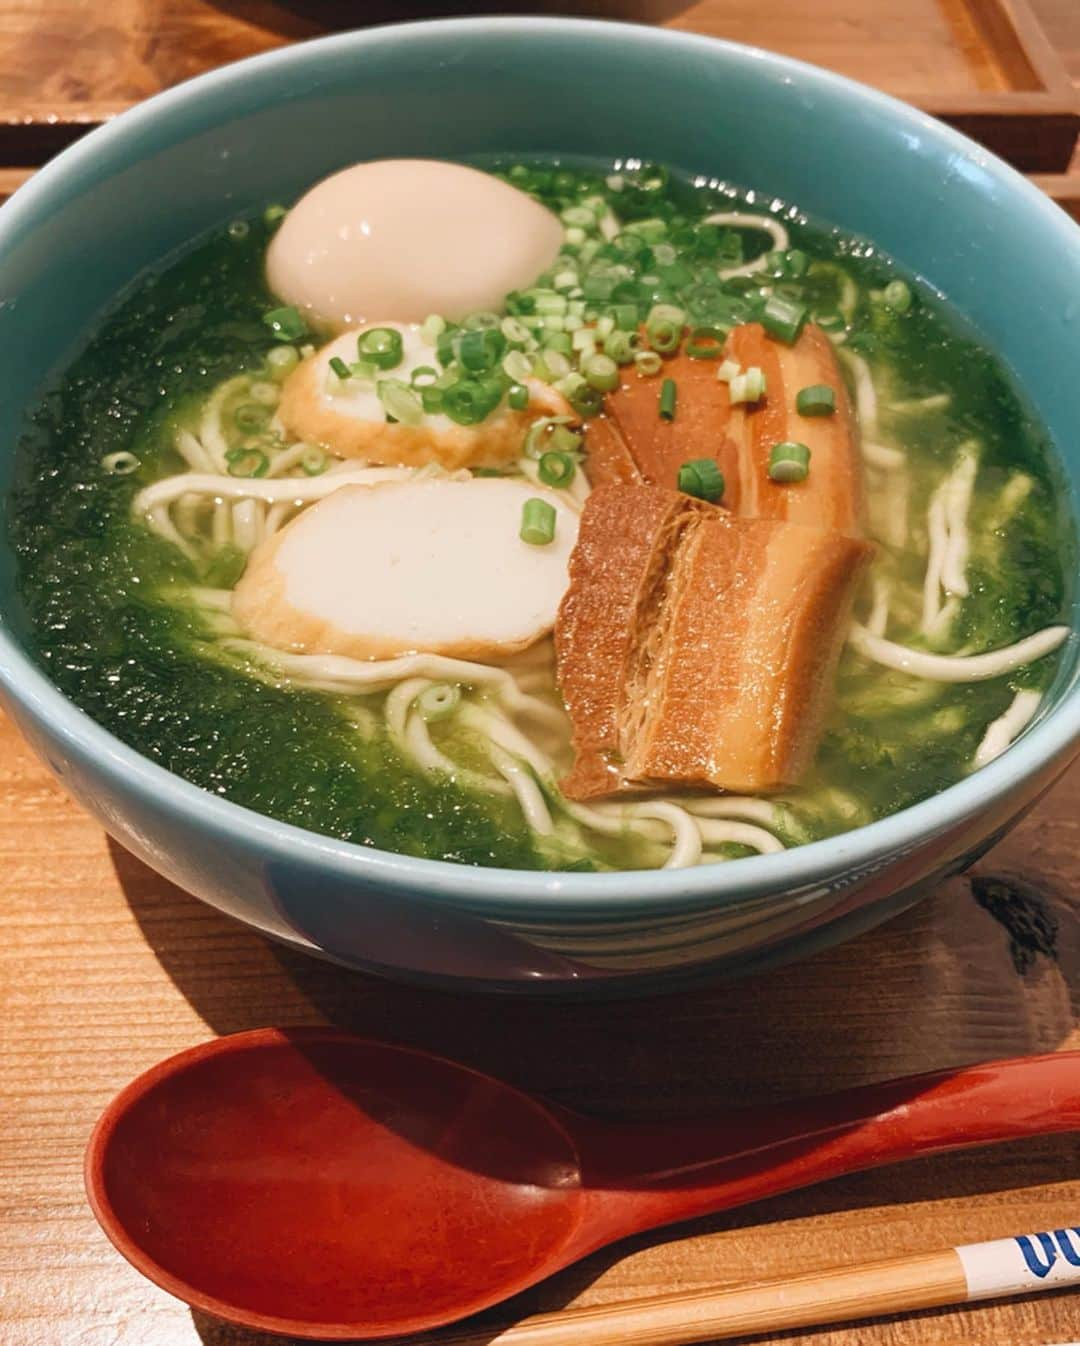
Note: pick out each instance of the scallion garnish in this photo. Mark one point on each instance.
(620, 346)
(749, 386)
(648, 363)
(537, 523)
(789, 461)
(400, 401)
(480, 350)
(286, 324)
(728, 370)
(468, 401)
(120, 464)
(340, 368)
(668, 394)
(556, 468)
(251, 417)
(424, 376)
(706, 343)
(663, 335)
(816, 400)
(586, 400)
(433, 326)
(702, 478)
(381, 345)
(518, 396)
(601, 372)
(783, 318)
(314, 461)
(247, 462)
(281, 360)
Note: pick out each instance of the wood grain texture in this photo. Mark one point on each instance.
(106, 968)
(66, 65)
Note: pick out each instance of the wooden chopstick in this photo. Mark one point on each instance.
(1021, 1265)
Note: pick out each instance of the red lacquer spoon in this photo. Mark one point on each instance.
(321, 1185)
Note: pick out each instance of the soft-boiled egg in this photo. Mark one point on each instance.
(409, 237)
(433, 565)
(347, 417)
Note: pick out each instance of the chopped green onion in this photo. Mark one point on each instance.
(286, 324)
(515, 331)
(559, 341)
(897, 296)
(605, 325)
(399, 400)
(816, 400)
(830, 320)
(274, 214)
(565, 280)
(365, 370)
(432, 328)
(424, 376)
(382, 346)
(518, 396)
(239, 229)
(601, 372)
(537, 523)
(789, 461)
(586, 400)
(555, 365)
(620, 346)
(250, 417)
(467, 401)
(438, 701)
(571, 384)
(282, 360)
(480, 350)
(584, 340)
(431, 399)
(625, 316)
(648, 363)
(481, 321)
(557, 468)
(580, 217)
(314, 460)
(340, 368)
(562, 439)
(247, 462)
(120, 464)
(748, 386)
(728, 370)
(667, 313)
(663, 335)
(668, 394)
(783, 318)
(550, 303)
(652, 231)
(517, 366)
(702, 478)
(706, 343)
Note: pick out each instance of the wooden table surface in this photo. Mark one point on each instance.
(106, 968)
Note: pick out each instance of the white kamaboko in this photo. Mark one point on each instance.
(409, 237)
(374, 572)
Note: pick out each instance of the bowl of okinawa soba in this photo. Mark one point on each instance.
(537, 504)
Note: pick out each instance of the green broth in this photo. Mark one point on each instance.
(109, 620)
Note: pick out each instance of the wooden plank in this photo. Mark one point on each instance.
(106, 968)
(66, 65)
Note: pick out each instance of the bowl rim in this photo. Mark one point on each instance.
(817, 864)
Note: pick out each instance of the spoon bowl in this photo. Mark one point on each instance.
(314, 1183)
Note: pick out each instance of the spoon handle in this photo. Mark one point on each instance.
(647, 1175)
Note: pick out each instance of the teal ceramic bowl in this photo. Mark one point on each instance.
(193, 158)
